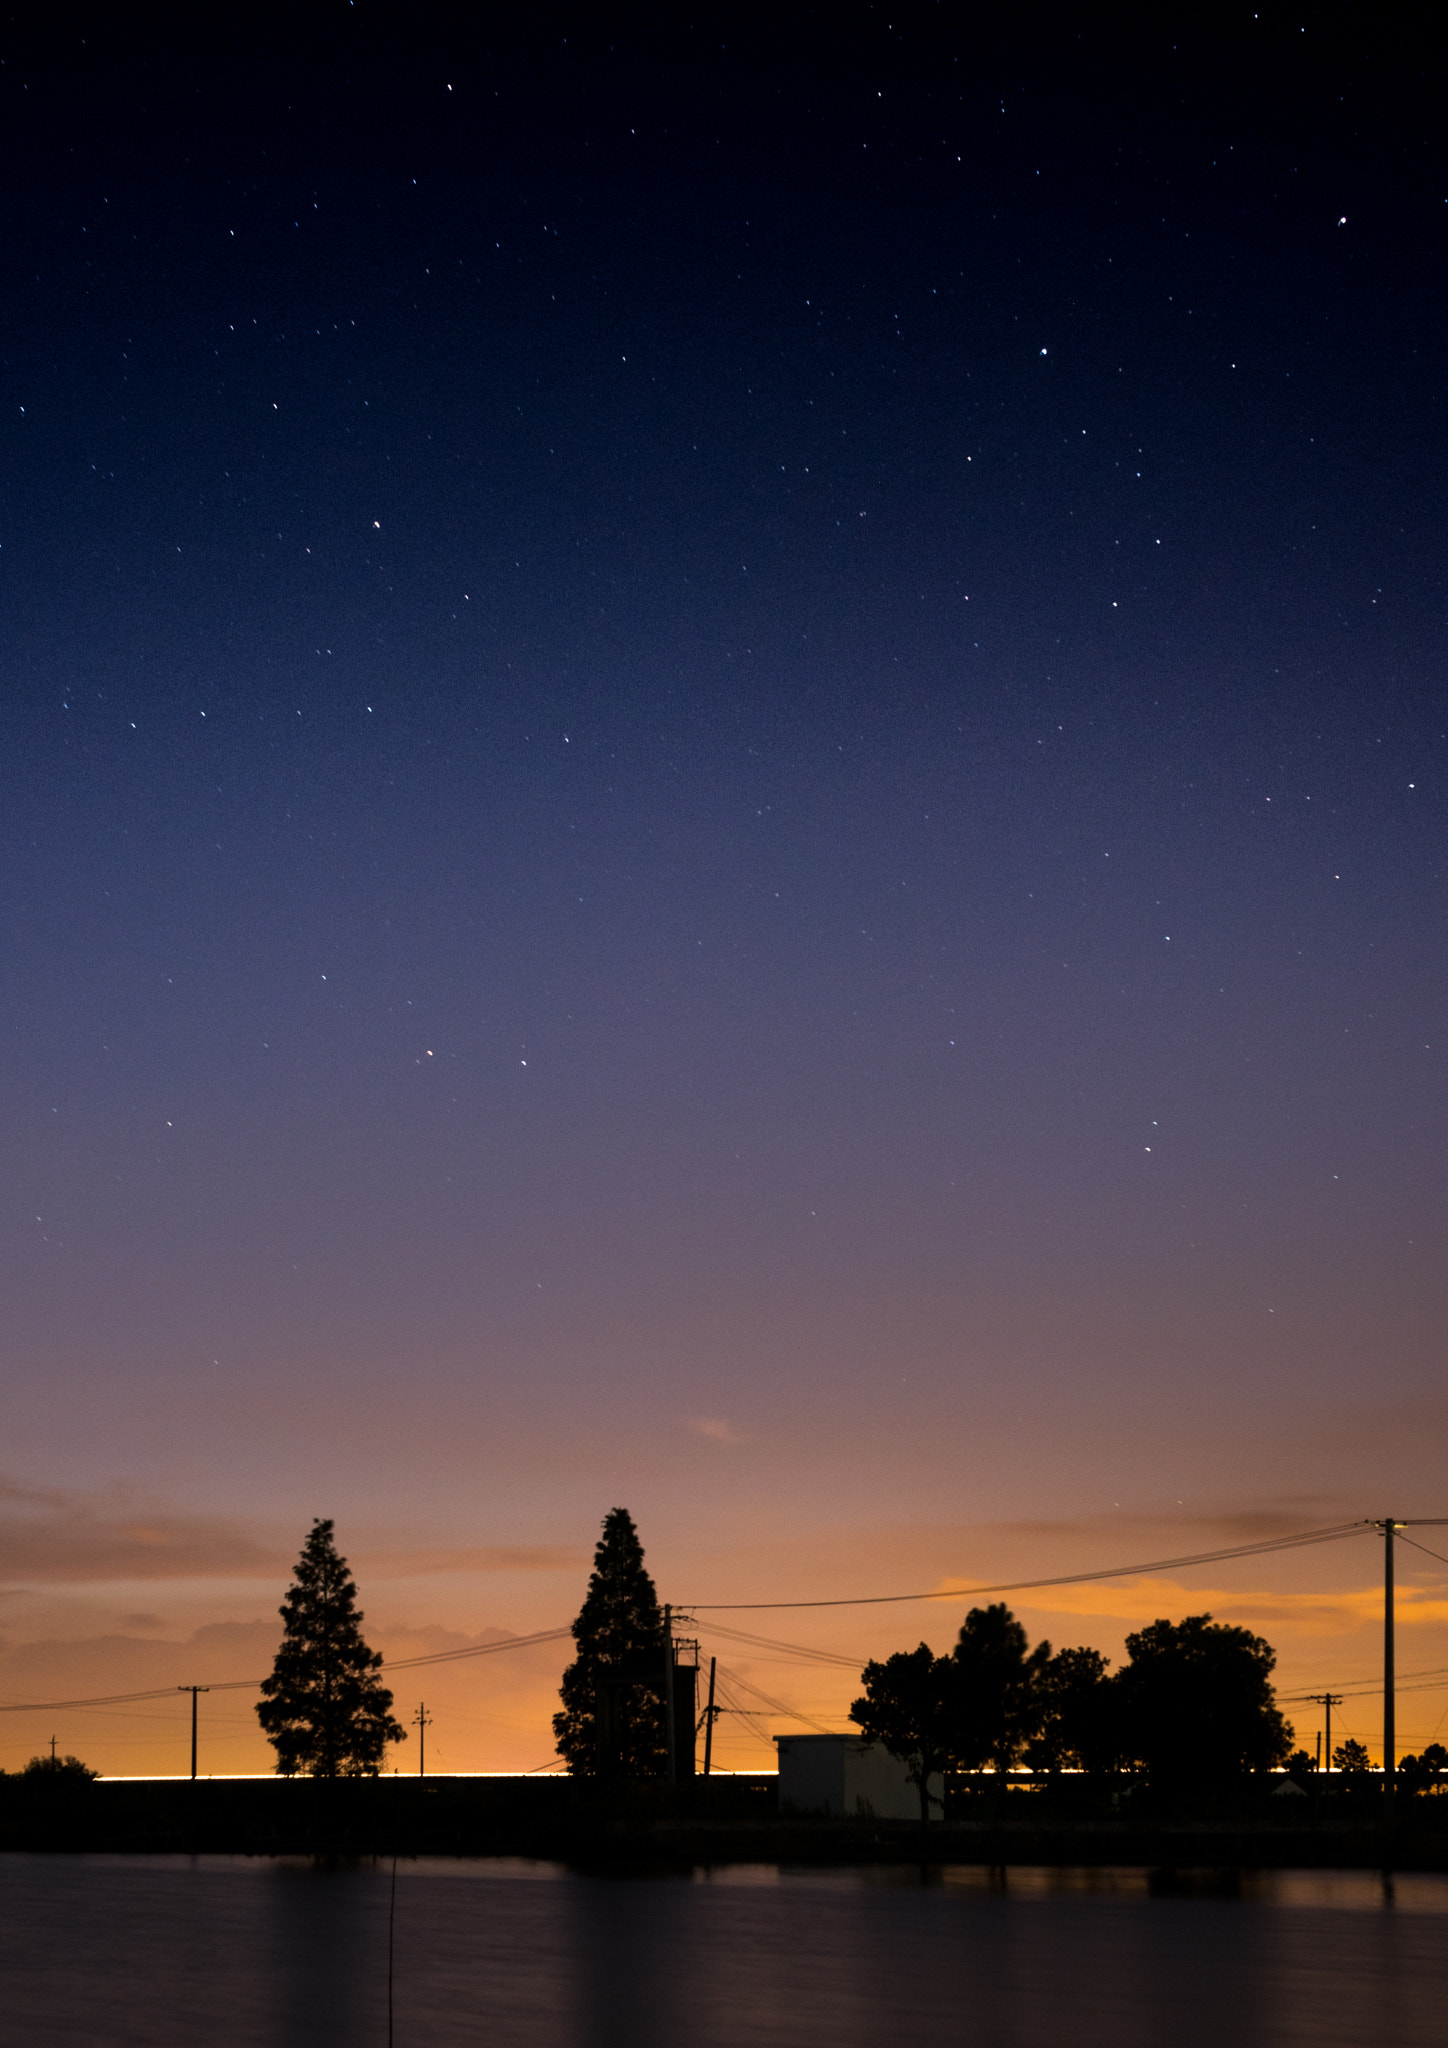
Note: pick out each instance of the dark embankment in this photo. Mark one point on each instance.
(724, 1821)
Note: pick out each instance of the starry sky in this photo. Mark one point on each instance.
(722, 786)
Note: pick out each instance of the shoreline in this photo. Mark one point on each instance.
(719, 1823)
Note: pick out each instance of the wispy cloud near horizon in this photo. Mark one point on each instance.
(56, 1536)
(51, 1535)
(715, 1430)
(494, 1557)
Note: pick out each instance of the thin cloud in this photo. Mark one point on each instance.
(48, 1536)
(716, 1430)
(495, 1557)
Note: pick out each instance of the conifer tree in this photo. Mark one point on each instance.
(612, 1719)
(323, 1709)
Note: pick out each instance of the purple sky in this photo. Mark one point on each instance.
(722, 786)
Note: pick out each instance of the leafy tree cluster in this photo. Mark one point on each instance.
(1193, 1702)
(1197, 1702)
(1425, 1773)
(612, 1720)
(325, 1711)
(57, 1770)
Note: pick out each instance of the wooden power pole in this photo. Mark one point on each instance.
(669, 1695)
(193, 1690)
(709, 1713)
(1390, 1525)
(422, 1721)
(1327, 1701)
(1390, 1688)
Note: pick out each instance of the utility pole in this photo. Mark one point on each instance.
(1389, 1525)
(1327, 1701)
(52, 1749)
(193, 1690)
(709, 1719)
(669, 1693)
(1390, 1702)
(422, 1721)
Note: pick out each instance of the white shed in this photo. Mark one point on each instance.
(845, 1775)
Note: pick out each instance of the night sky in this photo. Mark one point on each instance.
(722, 787)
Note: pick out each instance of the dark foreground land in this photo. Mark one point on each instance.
(719, 1821)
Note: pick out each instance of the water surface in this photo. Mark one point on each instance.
(104, 1951)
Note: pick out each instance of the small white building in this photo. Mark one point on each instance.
(847, 1776)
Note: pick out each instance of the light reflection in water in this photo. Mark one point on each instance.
(264, 1954)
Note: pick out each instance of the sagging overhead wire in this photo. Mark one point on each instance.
(1371, 1689)
(545, 1635)
(778, 1706)
(1334, 1534)
(750, 1716)
(109, 1699)
(739, 1635)
(166, 1692)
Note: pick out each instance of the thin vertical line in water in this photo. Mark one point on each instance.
(391, 1923)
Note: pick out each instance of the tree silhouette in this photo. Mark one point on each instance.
(1352, 1757)
(1000, 1688)
(1074, 1698)
(1423, 1773)
(911, 1706)
(1196, 1701)
(58, 1770)
(323, 1709)
(612, 1721)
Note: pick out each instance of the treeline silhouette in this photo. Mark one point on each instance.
(1192, 1707)
(1194, 1702)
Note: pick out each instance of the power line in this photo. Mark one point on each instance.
(1333, 1533)
(751, 1716)
(164, 1692)
(1336, 1533)
(1437, 1672)
(738, 1635)
(546, 1635)
(113, 1699)
(778, 1706)
(1369, 1691)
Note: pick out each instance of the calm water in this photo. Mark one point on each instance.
(109, 1950)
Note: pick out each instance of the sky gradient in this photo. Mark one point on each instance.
(722, 788)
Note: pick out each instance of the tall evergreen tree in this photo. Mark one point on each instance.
(612, 1722)
(323, 1709)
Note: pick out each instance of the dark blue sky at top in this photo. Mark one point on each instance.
(690, 709)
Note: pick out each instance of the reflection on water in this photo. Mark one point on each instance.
(267, 1954)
